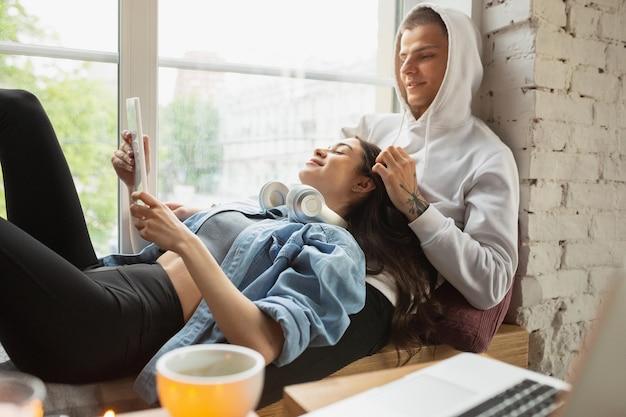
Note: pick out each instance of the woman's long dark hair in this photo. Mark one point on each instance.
(389, 244)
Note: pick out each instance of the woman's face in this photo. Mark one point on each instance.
(336, 173)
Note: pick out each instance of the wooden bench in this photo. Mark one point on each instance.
(510, 344)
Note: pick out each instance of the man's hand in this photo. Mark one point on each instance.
(397, 170)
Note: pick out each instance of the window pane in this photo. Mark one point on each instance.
(222, 135)
(226, 138)
(90, 25)
(322, 34)
(80, 97)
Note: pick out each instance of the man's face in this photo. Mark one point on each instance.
(424, 57)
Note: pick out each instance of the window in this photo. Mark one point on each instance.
(70, 63)
(247, 89)
(233, 94)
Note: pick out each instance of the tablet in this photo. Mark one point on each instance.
(133, 113)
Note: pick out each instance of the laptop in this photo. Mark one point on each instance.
(471, 385)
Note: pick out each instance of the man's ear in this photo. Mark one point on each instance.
(364, 185)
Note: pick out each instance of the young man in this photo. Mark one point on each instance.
(452, 177)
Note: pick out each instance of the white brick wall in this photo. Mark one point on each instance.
(555, 91)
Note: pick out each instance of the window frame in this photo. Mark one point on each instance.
(137, 77)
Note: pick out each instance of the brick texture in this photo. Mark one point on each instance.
(555, 91)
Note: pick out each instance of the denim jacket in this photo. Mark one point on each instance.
(307, 277)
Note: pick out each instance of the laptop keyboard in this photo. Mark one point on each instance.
(527, 398)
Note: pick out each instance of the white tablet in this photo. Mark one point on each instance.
(133, 113)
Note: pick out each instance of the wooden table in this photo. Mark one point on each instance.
(302, 398)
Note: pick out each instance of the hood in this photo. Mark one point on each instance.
(453, 103)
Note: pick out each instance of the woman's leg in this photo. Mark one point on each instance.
(65, 325)
(57, 321)
(40, 195)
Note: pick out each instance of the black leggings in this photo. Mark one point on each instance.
(63, 317)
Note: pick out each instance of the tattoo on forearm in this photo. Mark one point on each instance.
(416, 205)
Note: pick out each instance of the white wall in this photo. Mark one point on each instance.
(555, 92)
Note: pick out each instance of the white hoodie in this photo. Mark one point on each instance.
(466, 173)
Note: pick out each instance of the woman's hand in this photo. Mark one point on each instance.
(397, 170)
(123, 159)
(241, 321)
(157, 223)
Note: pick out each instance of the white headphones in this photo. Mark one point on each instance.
(304, 203)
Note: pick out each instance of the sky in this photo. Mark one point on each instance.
(261, 29)
(79, 24)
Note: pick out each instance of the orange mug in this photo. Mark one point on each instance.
(217, 380)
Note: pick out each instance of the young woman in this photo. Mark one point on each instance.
(234, 273)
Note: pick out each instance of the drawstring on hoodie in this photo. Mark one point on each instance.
(400, 128)
(426, 137)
